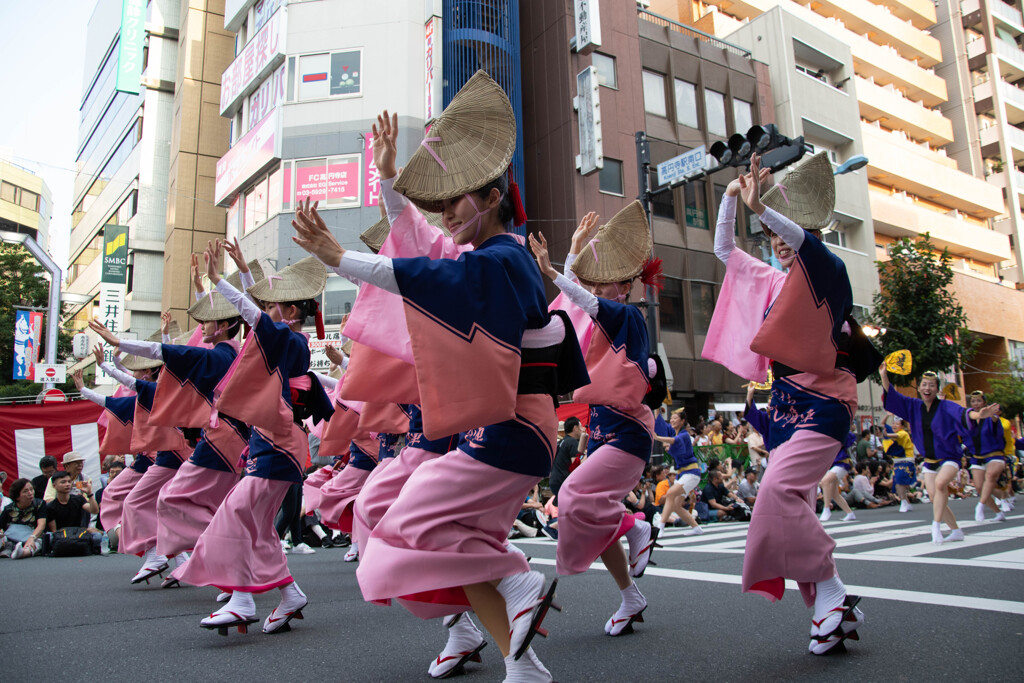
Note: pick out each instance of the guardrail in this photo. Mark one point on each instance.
(692, 32)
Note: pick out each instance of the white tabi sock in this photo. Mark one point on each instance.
(241, 604)
(829, 595)
(292, 598)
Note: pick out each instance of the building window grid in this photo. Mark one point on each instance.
(610, 177)
(334, 71)
(607, 75)
(654, 93)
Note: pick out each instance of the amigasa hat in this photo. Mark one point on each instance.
(470, 144)
(374, 236)
(302, 280)
(214, 307)
(806, 195)
(620, 249)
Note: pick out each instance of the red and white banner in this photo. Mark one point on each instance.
(29, 432)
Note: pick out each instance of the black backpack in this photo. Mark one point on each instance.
(72, 541)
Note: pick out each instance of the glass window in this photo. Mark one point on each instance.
(836, 237)
(696, 205)
(670, 306)
(290, 93)
(29, 200)
(259, 198)
(345, 73)
(654, 93)
(742, 115)
(249, 221)
(663, 205)
(714, 103)
(275, 187)
(610, 177)
(311, 180)
(337, 299)
(686, 104)
(343, 180)
(314, 83)
(702, 304)
(8, 192)
(605, 65)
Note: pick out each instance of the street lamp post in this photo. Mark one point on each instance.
(53, 304)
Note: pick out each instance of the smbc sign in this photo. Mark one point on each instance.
(115, 254)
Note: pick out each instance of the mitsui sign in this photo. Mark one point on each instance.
(115, 254)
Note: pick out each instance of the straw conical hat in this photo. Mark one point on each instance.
(619, 250)
(214, 307)
(468, 146)
(133, 362)
(807, 195)
(346, 348)
(302, 280)
(374, 236)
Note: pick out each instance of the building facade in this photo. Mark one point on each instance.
(26, 204)
(123, 158)
(685, 89)
(918, 67)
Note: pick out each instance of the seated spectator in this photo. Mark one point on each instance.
(721, 504)
(74, 462)
(47, 465)
(65, 510)
(22, 522)
(881, 477)
(108, 462)
(641, 498)
(862, 492)
(864, 450)
(531, 517)
(749, 486)
(661, 483)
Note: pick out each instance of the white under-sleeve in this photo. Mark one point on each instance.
(724, 243)
(570, 259)
(374, 269)
(578, 295)
(120, 373)
(394, 202)
(326, 381)
(247, 279)
(143, 349)
(791, 233)
(166, 338)
(249, 311)
(97, 398)
(199, 294)
(551, 334)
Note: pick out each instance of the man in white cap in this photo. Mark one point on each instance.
(73, 463)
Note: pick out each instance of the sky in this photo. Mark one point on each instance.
(42, 47)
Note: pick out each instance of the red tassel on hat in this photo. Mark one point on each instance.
(518, 210)
(652, 274)
(319, 318)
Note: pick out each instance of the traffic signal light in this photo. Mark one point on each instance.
(759, 139)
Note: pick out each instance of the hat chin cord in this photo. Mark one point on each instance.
(478, 219)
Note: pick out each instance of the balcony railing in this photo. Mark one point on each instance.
(1008, 51)
(1012, 94)
(1010, 14)
(692, 32)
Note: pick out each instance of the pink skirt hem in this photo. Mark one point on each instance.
(382, 488)
(138, 518)
(338, 496)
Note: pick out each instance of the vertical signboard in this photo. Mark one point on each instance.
(113, 278)
(371, 189)
(588, 107)
(588, 25)
(434, 102)
(130, 44)
(28, 328)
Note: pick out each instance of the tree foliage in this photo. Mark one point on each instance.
(1007, 388)
(917, 311)
(24, 284)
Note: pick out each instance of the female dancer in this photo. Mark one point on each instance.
(901, 449)
(138, 516)
(756, 319)
(834, 479)
(591, 516)
(985, 443)
(486, 353)
(680, 448)
(935, 426)
(184, 393)
(269, 388)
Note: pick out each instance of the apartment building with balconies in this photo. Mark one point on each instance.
(912, 65)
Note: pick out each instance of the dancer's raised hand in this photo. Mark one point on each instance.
(385, 144)
(212, 258)
(314, 236)
(584, 231)
(234, 250)
(539, 246)
(104, 334)
(750, 186)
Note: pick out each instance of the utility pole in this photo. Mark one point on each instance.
(643, 169)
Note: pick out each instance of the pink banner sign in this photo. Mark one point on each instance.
(255, 60)
(249, 156)
(372, 187)
(334, 183)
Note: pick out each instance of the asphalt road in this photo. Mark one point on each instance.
(951, 612)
